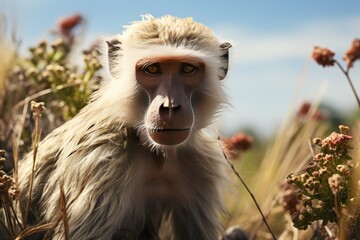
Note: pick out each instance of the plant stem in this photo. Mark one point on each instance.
(36, 140)
(346, 72)
(251, 194)
(43, 93)
(337, 208)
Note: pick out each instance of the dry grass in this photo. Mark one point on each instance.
(43, 76)
(288, 152)
(22, 80)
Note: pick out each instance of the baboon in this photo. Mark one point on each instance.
(136, 158)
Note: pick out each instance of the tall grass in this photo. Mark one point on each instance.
(292, 151)
(46, 76)
(287, 152)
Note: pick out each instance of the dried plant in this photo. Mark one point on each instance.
(339, 217)
(352, 54)
(9, 223)
(231, 150)
(236, 144)
(325, 57)
(324, 187)
(285, 153)
(37, 109)
(323, 193)
(47, 75)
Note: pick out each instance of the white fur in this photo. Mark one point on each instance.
(117, 182)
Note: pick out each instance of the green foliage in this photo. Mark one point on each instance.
(48, 67)
(49, 75)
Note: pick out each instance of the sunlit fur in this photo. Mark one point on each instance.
(103, 155)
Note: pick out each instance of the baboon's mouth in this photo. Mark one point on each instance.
(169, 129)
(169, 136)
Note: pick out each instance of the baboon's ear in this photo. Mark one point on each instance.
(109, 50)
(225, 59)
(114, 52)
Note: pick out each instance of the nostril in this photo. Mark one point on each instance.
(165, 107)
(177, 107)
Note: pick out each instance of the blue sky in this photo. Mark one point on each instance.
(271, 72)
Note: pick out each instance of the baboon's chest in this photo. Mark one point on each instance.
(165, 177)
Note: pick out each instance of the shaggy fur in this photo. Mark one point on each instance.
(109, 166)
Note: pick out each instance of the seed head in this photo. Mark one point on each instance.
(7, 186)
(323, 56)
(43, 44)
(304, 111)
(353, 53)
(37, 108)
(344, 129)
(242, 141)
(343, 169)
(2, 159)
(288, 198)
(236, 144)
(335, 183)
(59, 42)
(317, 141)
(67, 24)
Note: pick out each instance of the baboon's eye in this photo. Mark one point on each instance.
(152, 69)
(188, 68)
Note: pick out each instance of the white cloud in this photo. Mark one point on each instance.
(255, 47)
(264, 79)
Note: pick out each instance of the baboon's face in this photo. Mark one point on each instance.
(170, 82)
